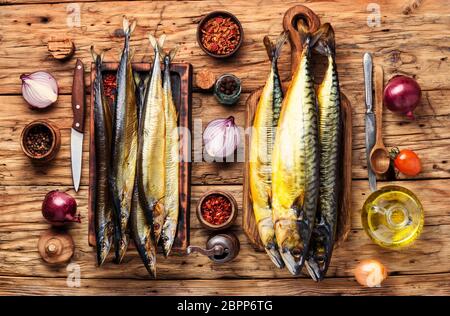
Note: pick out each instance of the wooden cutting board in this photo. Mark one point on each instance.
(181, 75)
(344, 221)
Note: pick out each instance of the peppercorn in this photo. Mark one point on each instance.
(228, 85)
(39, 140)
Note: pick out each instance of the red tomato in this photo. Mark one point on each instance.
(407, 162)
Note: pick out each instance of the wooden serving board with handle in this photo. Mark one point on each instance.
(248, 221)
(181, 75)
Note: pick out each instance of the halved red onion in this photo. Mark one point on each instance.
(39, 89)
(221, 137)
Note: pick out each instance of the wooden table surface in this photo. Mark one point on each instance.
(413, 42)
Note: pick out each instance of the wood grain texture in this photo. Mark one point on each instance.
(411, 43)
(26, 29)
(435, 284)
(22, 224)
(428, 135)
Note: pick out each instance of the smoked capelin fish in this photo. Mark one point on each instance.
(124, 146)
(172, 155)
(295, 168)
(141, 227)
(151, 152)
(103, 212)
(330, 133)
(261, 146)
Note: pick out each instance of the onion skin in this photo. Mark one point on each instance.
(59, 208)
(39, 89)
(221, 137)
(370, 273)
(402, 95)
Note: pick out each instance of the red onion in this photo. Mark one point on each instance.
(221, 137)
(39, 89)
(402, 95)
(59, 208)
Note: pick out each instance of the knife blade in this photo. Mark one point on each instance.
(370, 118)
(78, 109)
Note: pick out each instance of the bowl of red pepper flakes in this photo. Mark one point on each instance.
(217, 210)
(220, 34)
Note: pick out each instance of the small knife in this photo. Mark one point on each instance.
(78, 108)
(370, 118)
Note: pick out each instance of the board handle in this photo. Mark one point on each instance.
(290, 20)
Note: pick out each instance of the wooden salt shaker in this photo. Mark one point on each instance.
(56, 247)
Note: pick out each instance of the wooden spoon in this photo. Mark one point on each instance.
(379, 156)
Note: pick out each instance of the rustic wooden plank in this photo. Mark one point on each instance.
(410, 44)
(15, 2)
(21, 224)
(436, 284)
(428, 135)
(399, 43)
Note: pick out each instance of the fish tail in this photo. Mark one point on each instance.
(306, 37)
(94, 54)
(98, 58)
(157, 44)
(127, 27)
(274, 50)
(168, 58)
(173, 52)
(326, 45)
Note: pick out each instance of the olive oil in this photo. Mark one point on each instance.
(392, 217)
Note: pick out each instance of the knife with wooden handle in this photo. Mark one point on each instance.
(76, 137)
(370, 118)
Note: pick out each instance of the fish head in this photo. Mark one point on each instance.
(104, 242)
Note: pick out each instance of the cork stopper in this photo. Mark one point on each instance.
(205, 79)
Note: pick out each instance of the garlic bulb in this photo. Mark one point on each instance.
(39, 89)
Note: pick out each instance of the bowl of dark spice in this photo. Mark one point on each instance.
(220, 34)
(228, 89)
(217, 210)
(40, 141)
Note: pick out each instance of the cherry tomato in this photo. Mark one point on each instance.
(407, 162)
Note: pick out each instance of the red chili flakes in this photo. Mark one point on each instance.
(216, 209)
(220, 35)
(110, 85)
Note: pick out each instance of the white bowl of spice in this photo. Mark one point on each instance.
(220, 34)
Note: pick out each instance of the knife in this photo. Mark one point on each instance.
(370, 118)
(76, 137)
